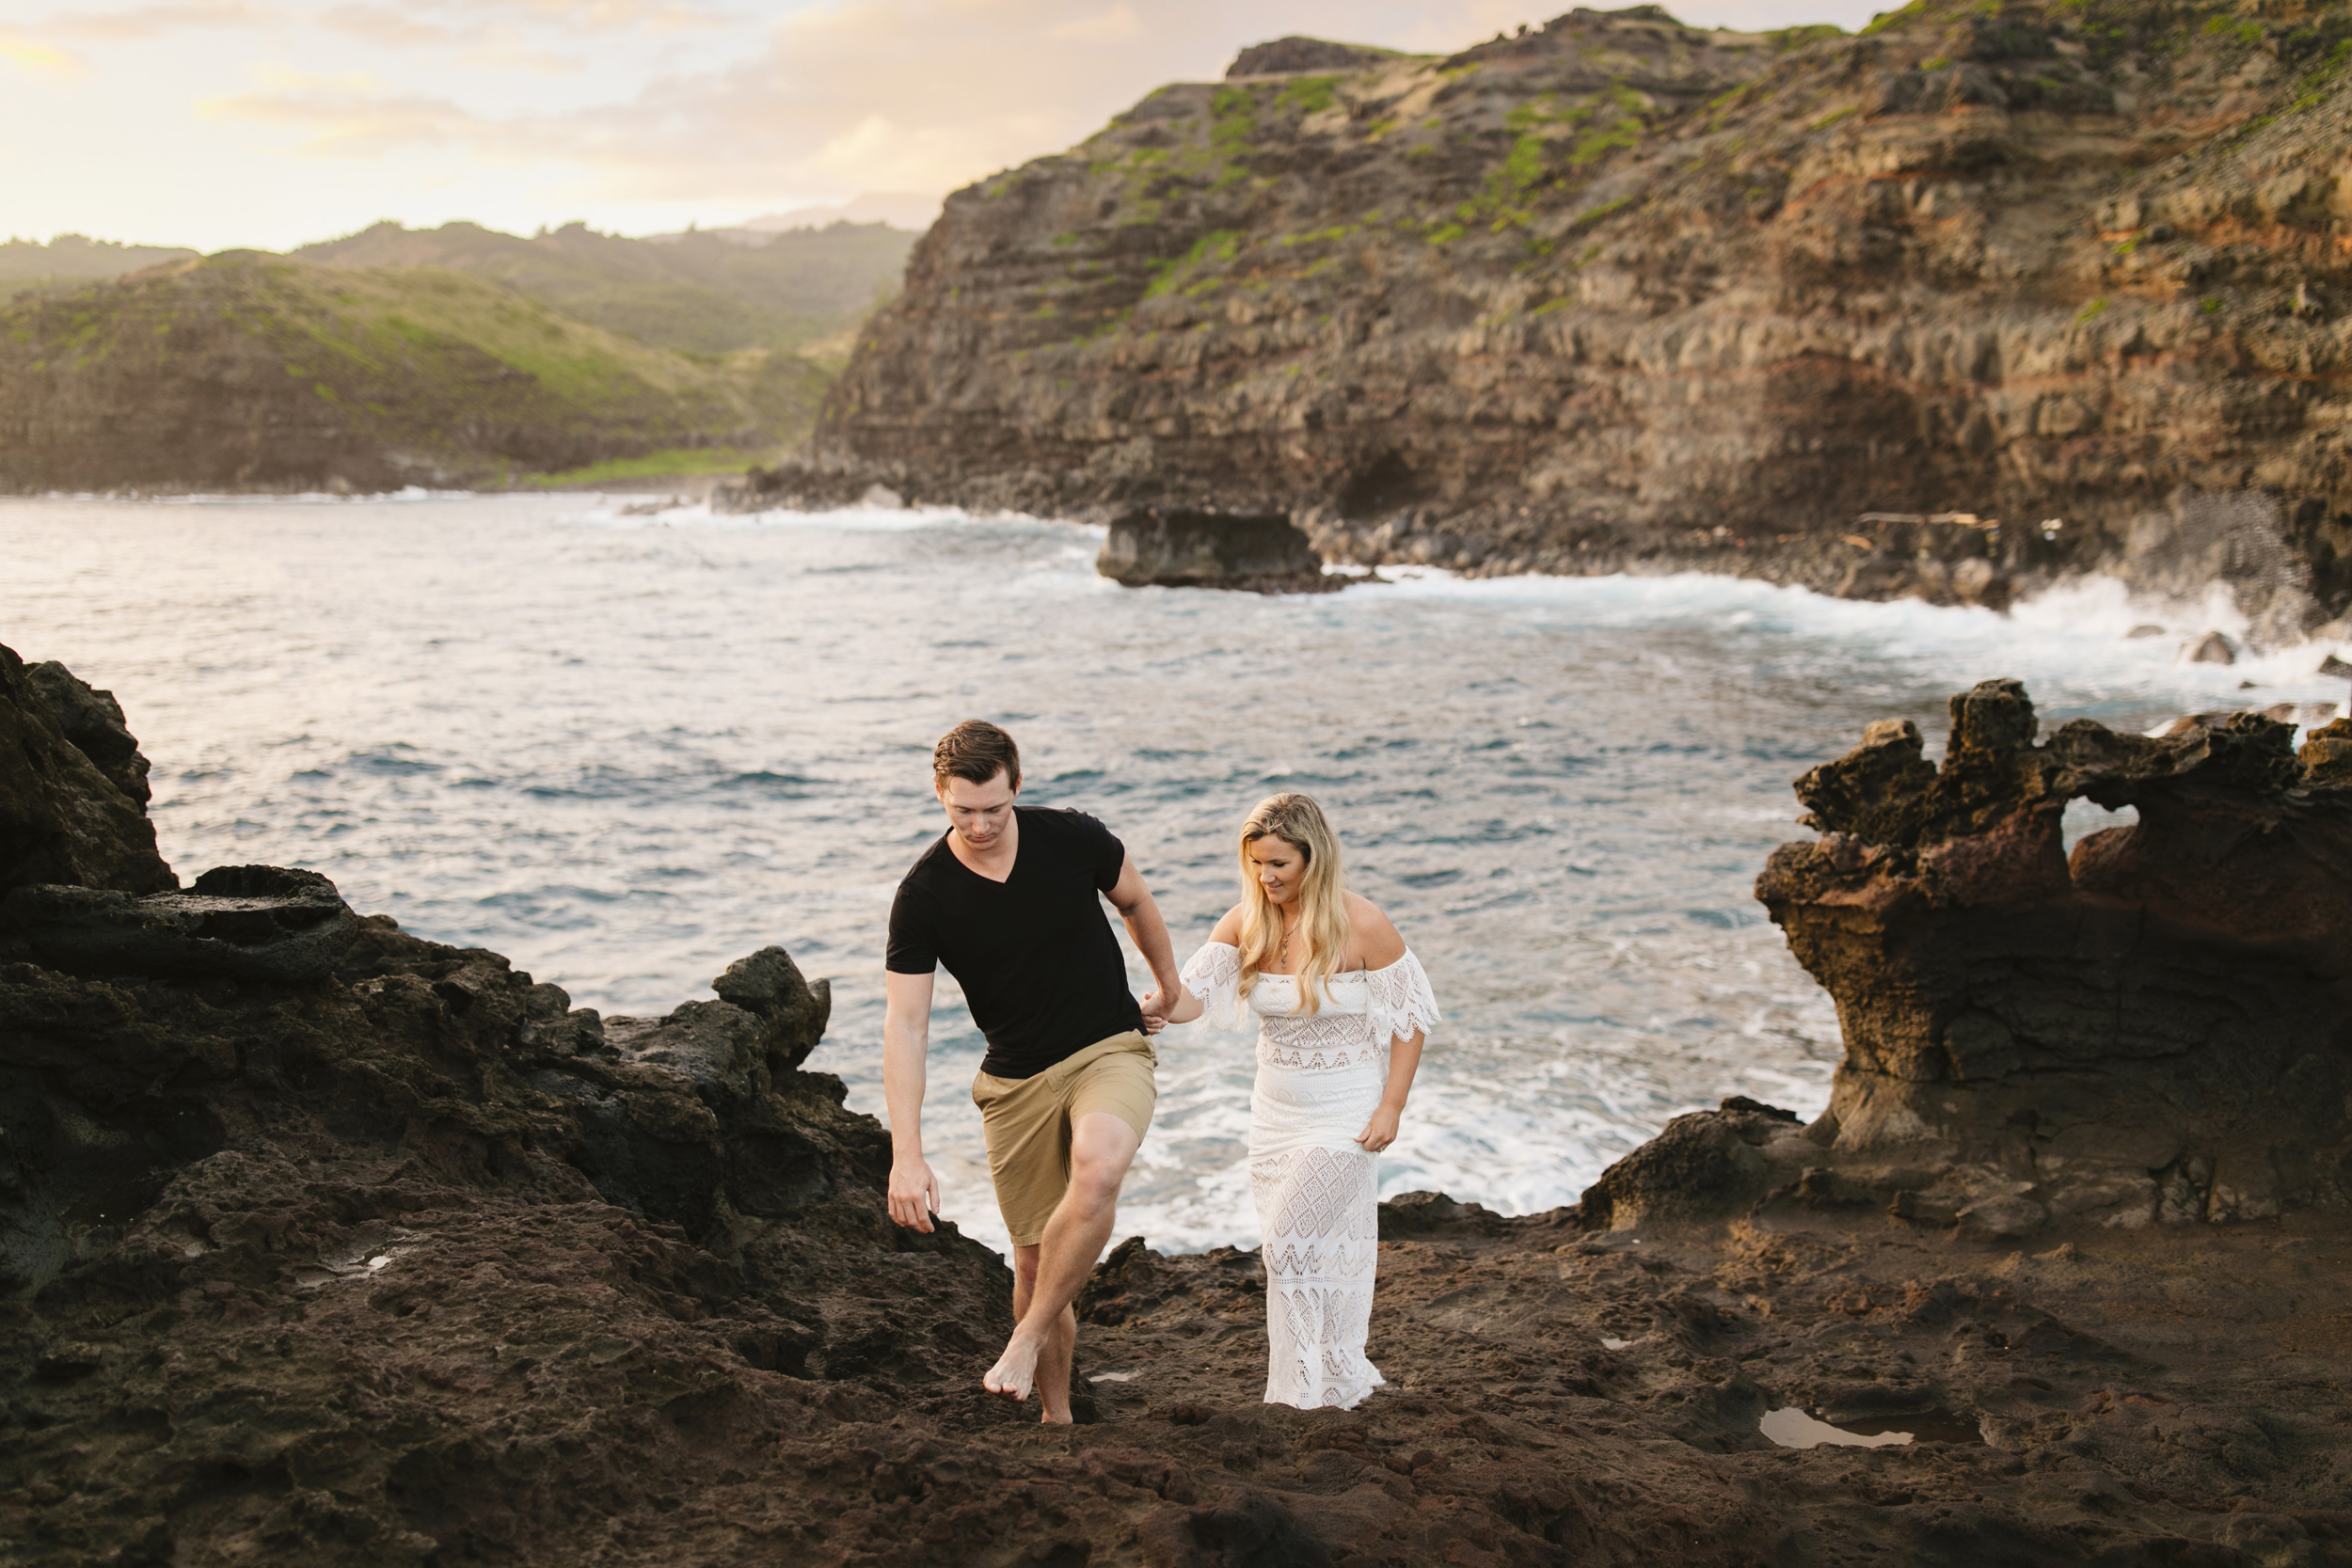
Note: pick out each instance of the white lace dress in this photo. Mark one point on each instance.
(1319, 1078)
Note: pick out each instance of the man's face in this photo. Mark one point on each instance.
(978, 813)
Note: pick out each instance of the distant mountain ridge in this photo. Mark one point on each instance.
(448, 357)
(695, 292)
(247, 370)
(72, 258)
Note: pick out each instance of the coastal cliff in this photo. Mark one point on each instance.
(1980, 297)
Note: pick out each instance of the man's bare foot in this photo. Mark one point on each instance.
(1049, 1418)
(1014, 1376)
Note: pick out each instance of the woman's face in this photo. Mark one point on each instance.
(1281, 866)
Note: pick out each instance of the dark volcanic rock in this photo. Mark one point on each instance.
(2157, 1028)
(1178, 549)
(1950, 309)
(64, 816)
(242, 921)
(769, 986)
(93, 720)
(1701, 1168)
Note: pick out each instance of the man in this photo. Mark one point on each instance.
(1006, 901)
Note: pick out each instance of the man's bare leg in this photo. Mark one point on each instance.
(1053, 1361)
(1101, 1146)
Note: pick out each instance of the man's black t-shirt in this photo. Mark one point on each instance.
(1034, 953)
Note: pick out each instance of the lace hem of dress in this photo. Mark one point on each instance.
(1399, 1000)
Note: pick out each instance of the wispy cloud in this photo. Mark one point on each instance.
(849, 95)
(845, 95)
(149, 22)
(594, 16)
(393, 28)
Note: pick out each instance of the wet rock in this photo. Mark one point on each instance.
(63, 818)
(2148, 1029)
(1173, 547)
(2213, 648)
(239, 922)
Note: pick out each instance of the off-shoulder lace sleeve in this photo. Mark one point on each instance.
(1399, 1000)
(1214, 974)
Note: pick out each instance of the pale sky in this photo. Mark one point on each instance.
(267, 123)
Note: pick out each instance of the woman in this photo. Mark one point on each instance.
(1342, 1006)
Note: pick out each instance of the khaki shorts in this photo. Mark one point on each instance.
(1027, 1122)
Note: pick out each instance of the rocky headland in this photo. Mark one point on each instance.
(1981, 298)
(321, 1242)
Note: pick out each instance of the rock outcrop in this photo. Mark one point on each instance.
(244, 922)
(1950, 308)
(2151, 1030)
(1172, 548)
(72, 787)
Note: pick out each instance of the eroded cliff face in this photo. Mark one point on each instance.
(1623, 294)
(2151, 1030)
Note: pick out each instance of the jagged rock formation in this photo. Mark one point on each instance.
(72, 799)
(1620, 294)
(2151, 1030)
(1176, 548)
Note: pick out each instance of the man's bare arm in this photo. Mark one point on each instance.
(906, 1045)
(1148, 932)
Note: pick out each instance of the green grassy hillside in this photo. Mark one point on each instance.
(695, 291)
(250, 369)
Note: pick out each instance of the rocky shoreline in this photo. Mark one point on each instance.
(326, 1244)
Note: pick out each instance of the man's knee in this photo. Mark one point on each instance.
(1094, 1184)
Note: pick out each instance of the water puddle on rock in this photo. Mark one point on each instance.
(1791, 1427)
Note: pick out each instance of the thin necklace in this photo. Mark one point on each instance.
(1285, 950)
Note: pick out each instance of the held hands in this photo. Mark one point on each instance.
(913, 1193)
(1159, 1010)
(1380, 1131)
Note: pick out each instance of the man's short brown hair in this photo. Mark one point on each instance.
(976, 751)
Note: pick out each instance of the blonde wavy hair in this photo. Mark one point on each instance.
(1298, 822)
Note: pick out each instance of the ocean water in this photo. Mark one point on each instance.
(625, 750)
